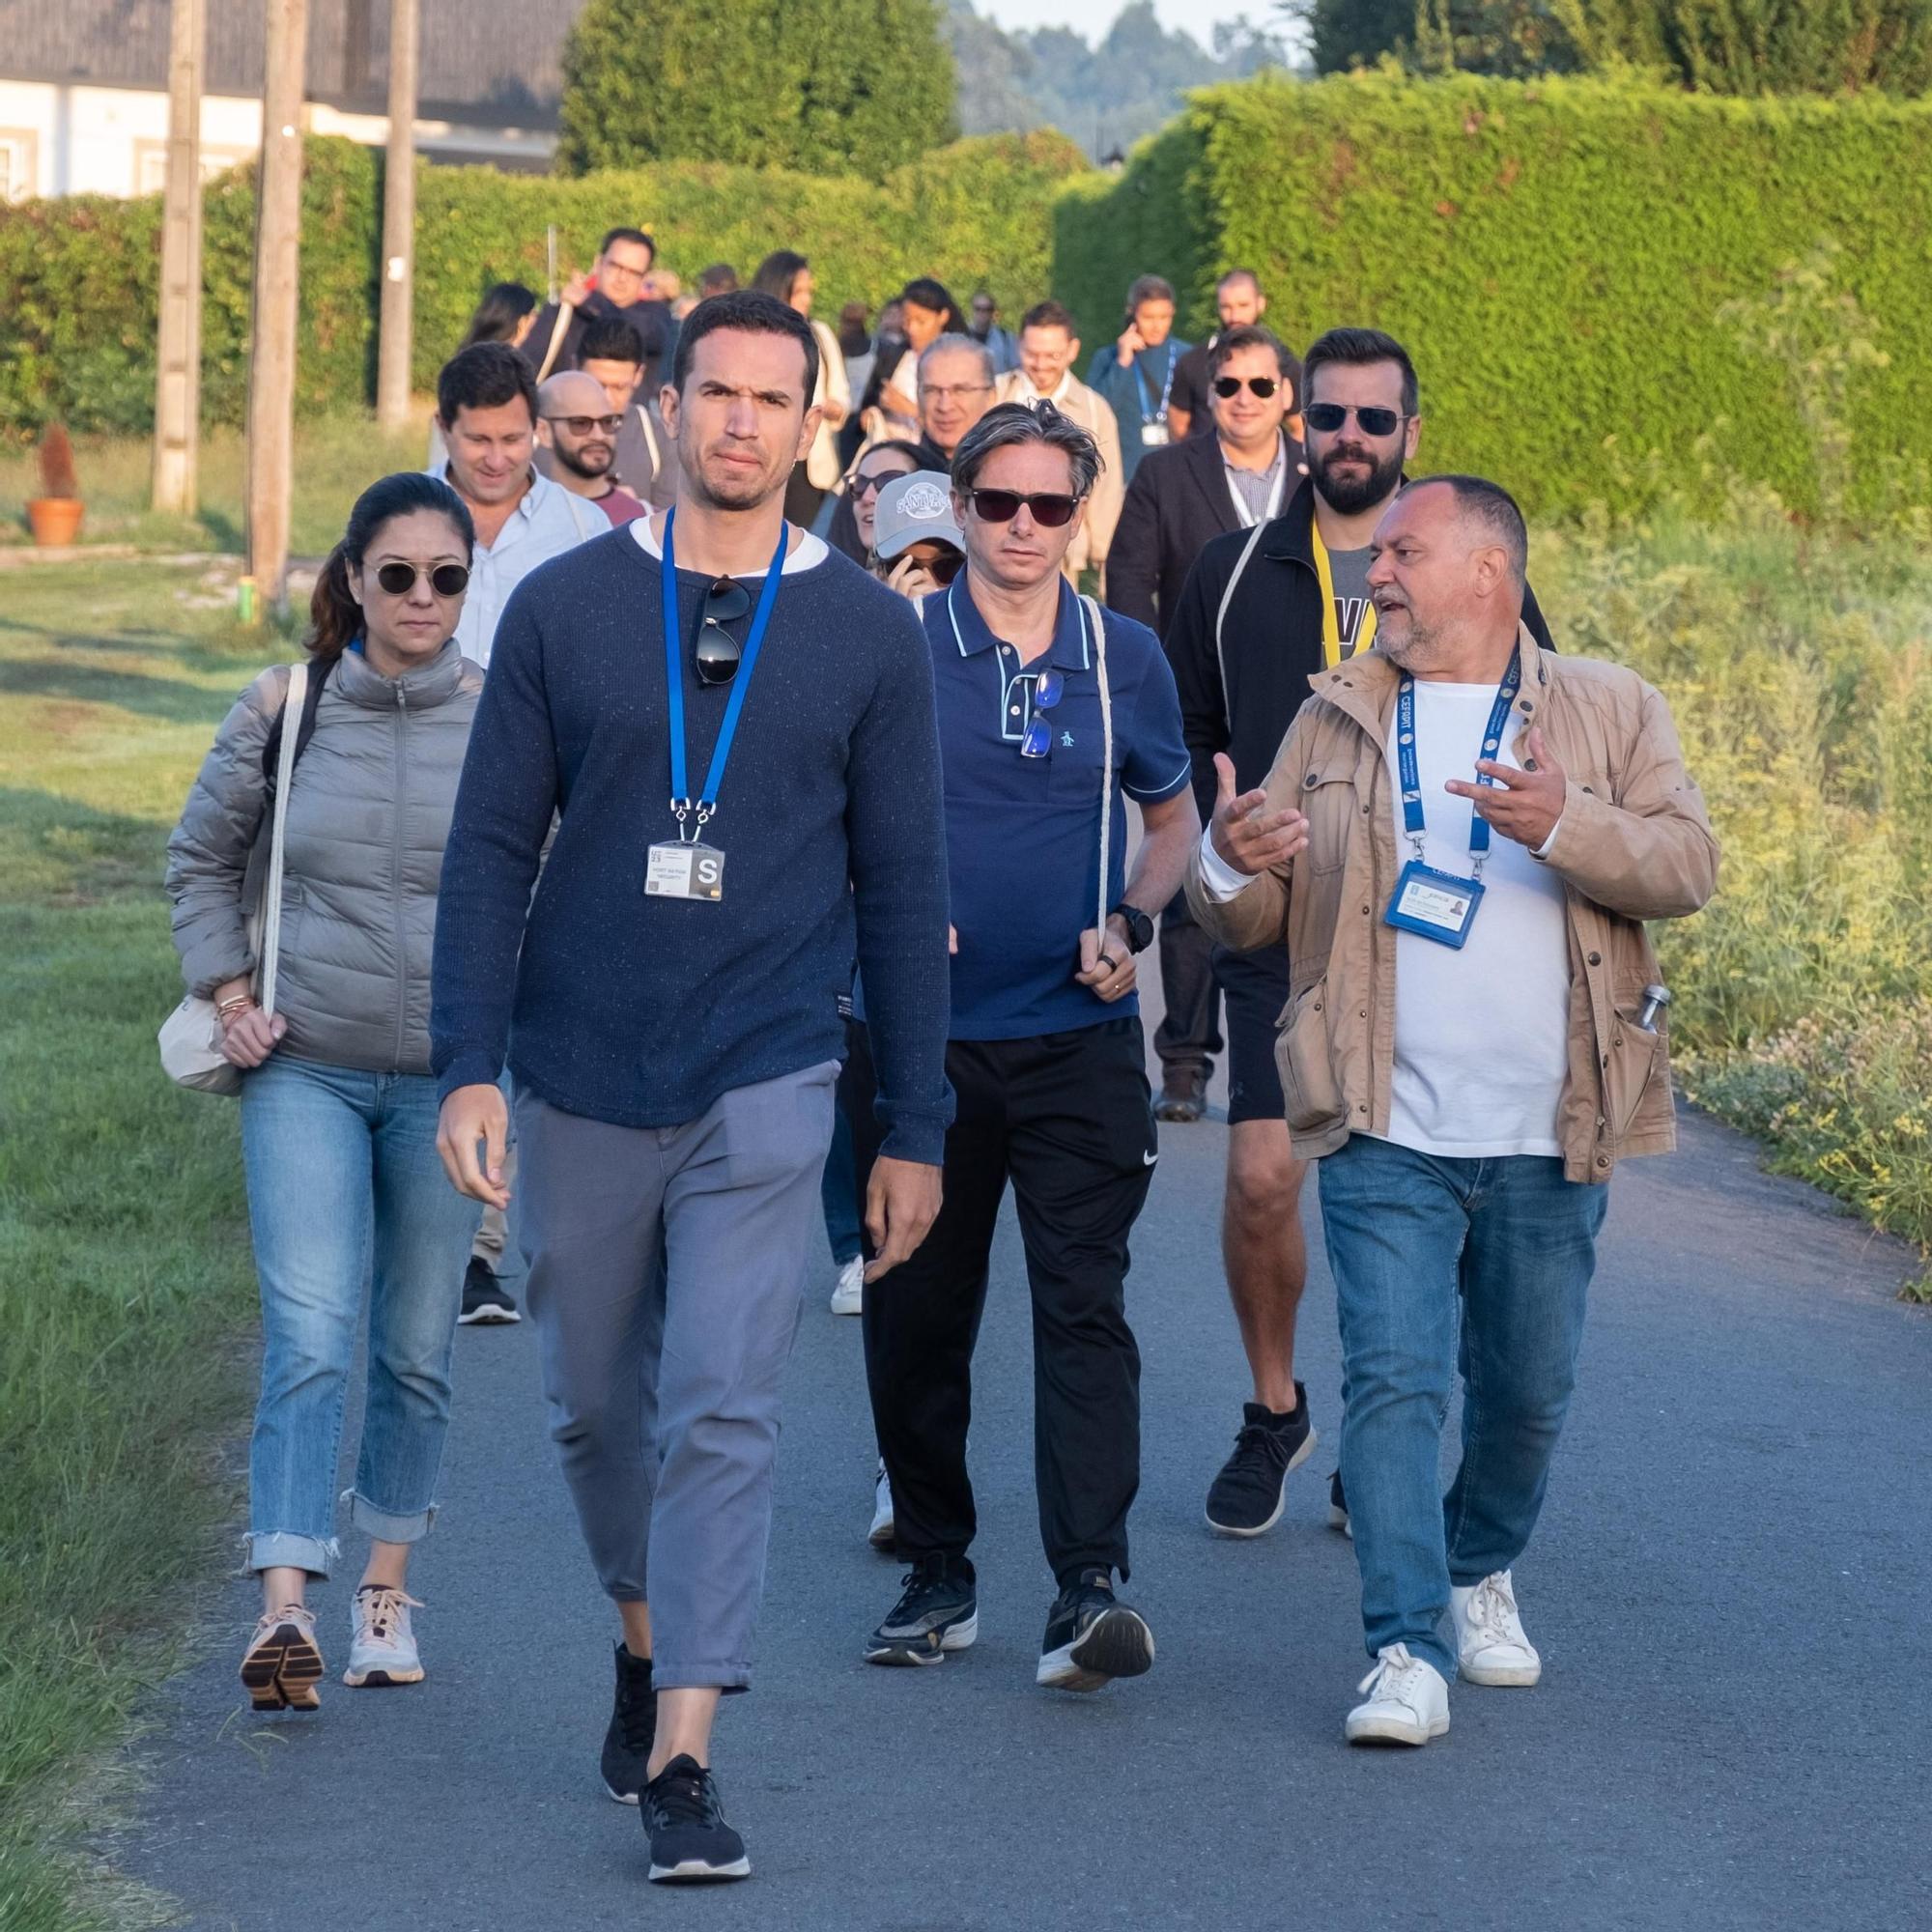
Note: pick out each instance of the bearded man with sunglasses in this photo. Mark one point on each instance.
(735, 729)
(1262, 612)
(1051, 715)
(577, 443)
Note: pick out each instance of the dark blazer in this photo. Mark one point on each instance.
(1239, 693)
(1176, 504)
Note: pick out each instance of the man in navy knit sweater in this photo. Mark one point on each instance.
(736, 730)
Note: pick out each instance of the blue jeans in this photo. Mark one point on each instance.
(838, 1193)
(1410, 1236)
(343, 1169)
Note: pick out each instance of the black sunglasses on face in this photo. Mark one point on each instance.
(1051, 508)
(870, 486)
(446, 579)
(1329, 417)
(1232, 385)
(583, 425)
(944, 567)
(718, 650)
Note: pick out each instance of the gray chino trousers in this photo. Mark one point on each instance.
(666, 1275)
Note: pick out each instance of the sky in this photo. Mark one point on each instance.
(1093, 17)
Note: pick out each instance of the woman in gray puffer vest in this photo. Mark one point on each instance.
(338, 1104)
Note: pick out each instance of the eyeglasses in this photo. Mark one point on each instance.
(870, 486)
(953, 392)
(1050, 508)
(446, 579)
(1232, 385)
(583, 425)
(718, 650)
(1329, 417)
(1049, 688)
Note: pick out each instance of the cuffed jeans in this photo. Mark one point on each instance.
(342, 1169)
(666, 1275)
(1409, 1237)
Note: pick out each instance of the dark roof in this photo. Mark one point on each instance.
(485, 59)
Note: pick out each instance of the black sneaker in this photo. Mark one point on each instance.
(1338, 1507)
(634, 1725)
(484, 1298)
(1249, 1495)
(937, 1611)
(1090, 1639)
(691, 1842)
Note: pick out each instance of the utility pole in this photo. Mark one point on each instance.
(399, 220)
(176, 482)
(271, 363)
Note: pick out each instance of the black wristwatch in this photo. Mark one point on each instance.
(1140, 927)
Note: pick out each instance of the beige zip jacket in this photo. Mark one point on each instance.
(1634, 843)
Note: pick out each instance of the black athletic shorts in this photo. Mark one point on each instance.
(1254, 989)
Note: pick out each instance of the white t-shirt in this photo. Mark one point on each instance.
(1482, 1035)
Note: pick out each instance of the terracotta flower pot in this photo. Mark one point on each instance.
(55, 519)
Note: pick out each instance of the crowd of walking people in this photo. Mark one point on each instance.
(641, 839)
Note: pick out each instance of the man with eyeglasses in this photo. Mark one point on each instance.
(735, 732)
(620, 284)
(956, 390)
(577, 443)
(1051, 715)
(1264, 611)
(1049, 347)
(1179, 501)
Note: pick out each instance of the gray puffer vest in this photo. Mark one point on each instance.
(369, 812)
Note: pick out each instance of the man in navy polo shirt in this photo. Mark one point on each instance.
(1045, 1050)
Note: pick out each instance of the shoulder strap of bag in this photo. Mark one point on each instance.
(559, 331)
(1099, 625)
(299, 684)
(305, 710)
(1226, 598)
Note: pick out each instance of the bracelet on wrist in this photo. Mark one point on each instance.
(240, 1004)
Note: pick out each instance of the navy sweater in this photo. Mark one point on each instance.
(642, 1010)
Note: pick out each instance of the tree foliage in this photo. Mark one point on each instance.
(824, 87)
(1721, 46)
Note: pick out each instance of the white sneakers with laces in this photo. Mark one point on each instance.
(882, 1532)
(1490, 1647)
(848, 1296)
(382, 1650)
(1408, 1701)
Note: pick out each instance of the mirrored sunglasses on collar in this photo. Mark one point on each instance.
(446, 579)
(1049, 688)
(1232, 386)
(1329, 417)
(1051, 509)
(719, 652)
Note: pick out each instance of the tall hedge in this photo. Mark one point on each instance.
(79, 277)
(1555, 255)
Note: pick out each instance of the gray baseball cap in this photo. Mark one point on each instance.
(916, 509)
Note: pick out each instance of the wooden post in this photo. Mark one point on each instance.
(176, 480)
(271, 363)
(399, 221)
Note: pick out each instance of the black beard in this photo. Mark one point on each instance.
(576, 464)
(1347, 494)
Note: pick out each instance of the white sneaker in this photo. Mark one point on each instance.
(1490, 1647)
(1408, 1701)
(848, 1297)
(384, 1648)
(881, 1534)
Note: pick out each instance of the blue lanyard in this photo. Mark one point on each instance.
(1412, 823)
(680, 797)
(1166, 388)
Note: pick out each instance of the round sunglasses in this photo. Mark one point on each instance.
(1232, 385)
(1051, 508)
(446, 579)
(1329, 417)
(719, 652)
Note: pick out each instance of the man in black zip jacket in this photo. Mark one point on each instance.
(1262, 611)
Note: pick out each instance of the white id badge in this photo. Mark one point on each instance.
(1154, 435)
(678, 872)
(1438, 906)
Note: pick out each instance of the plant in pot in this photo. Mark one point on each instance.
(55, 513)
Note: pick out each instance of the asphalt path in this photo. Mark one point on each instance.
(1729, 1588)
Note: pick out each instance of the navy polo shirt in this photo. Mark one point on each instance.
(1023, 835)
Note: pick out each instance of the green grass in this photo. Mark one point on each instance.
(124, 1266)
(336, 458)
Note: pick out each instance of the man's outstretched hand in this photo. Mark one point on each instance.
(1249, 836)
